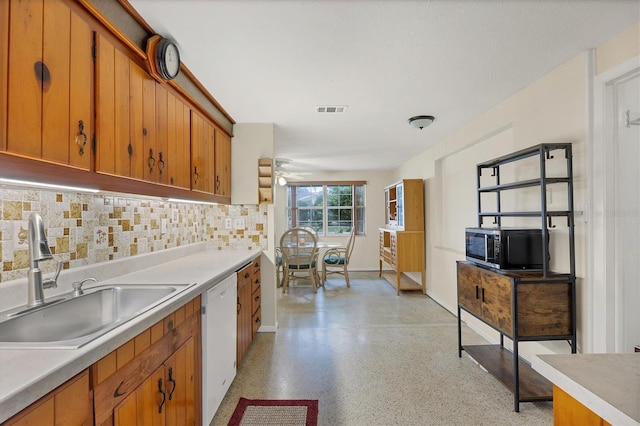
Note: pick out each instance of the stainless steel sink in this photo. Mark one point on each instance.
(75, 321)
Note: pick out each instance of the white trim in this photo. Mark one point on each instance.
(601, 274)
(590, 64)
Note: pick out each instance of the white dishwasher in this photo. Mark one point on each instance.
(219, 332)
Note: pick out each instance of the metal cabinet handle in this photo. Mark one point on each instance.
(152, 161)
(81, 139)
(477, 291)
(173, 382)
(195, 175)
(217, 182)
(164, 395)
(483, 294)
(160, 164)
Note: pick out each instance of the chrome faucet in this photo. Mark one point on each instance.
(38, 251)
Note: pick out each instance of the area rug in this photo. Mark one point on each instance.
(281, 412)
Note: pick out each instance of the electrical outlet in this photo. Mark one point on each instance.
(163, 226)
(228, 223)
(239, 223)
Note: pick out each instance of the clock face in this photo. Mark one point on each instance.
(168, 59)
(172, 60)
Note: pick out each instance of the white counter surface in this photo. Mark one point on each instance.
(28, 374)
(607, 384)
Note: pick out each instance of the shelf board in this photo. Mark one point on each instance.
(525, 153)
(522, 184)
(524, 214)
(406, 283)
(498, 361)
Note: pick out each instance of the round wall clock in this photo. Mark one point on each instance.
(167, 59)
(163, 58)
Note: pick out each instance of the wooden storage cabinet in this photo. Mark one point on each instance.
(402, 240)
(69, 404)
(256, 296)
(155, 378)
(74, 92)
(521, 305)
(46, 55)
(249, 306)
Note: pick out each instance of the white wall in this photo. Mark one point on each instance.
(551, 109)
(252, 141)
(366, 249)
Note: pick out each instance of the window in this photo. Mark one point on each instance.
(329, 208)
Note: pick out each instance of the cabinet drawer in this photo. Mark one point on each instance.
(257, 321)
(255, 282)
(255, 300)
(244, 276)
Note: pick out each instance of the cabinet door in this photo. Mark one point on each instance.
(223, 163)
(159, 155)
(202, 150)
(4, 67)
(496, 297)
(179, 376)
(48, 77)
(179, 151)
(146, 405)
(469, 288)
(67, 405)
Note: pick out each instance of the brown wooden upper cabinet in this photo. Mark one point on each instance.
(124, 112)
(68, 82)
(173, 140)
(202, 152)
(223, 163)
(47, 68)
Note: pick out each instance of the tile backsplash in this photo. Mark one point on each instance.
(84, 229)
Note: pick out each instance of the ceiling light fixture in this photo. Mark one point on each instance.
(282, 181)
(421, 121)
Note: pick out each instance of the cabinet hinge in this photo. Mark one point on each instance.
(94, 143)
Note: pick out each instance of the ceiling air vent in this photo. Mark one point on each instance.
(331, 109)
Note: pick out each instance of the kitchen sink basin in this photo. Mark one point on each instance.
(75, 321)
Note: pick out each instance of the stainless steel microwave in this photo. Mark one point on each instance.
(505, 248)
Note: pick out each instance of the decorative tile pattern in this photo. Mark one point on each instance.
(84, 229)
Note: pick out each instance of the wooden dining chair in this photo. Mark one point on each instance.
(299, 249)
(336, 260)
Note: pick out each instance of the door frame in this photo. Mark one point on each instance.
(601, 282)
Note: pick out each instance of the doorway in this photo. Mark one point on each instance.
(616, 211)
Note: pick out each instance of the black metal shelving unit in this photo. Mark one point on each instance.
(511, 367)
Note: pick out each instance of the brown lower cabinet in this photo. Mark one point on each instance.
(249, 306)
(153, 379)
(521, 306)
(69, 404)
(569, 411)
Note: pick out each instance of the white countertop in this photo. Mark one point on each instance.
(28, 374)
(607, 384)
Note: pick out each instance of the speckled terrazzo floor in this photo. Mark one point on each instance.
(373, 358)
